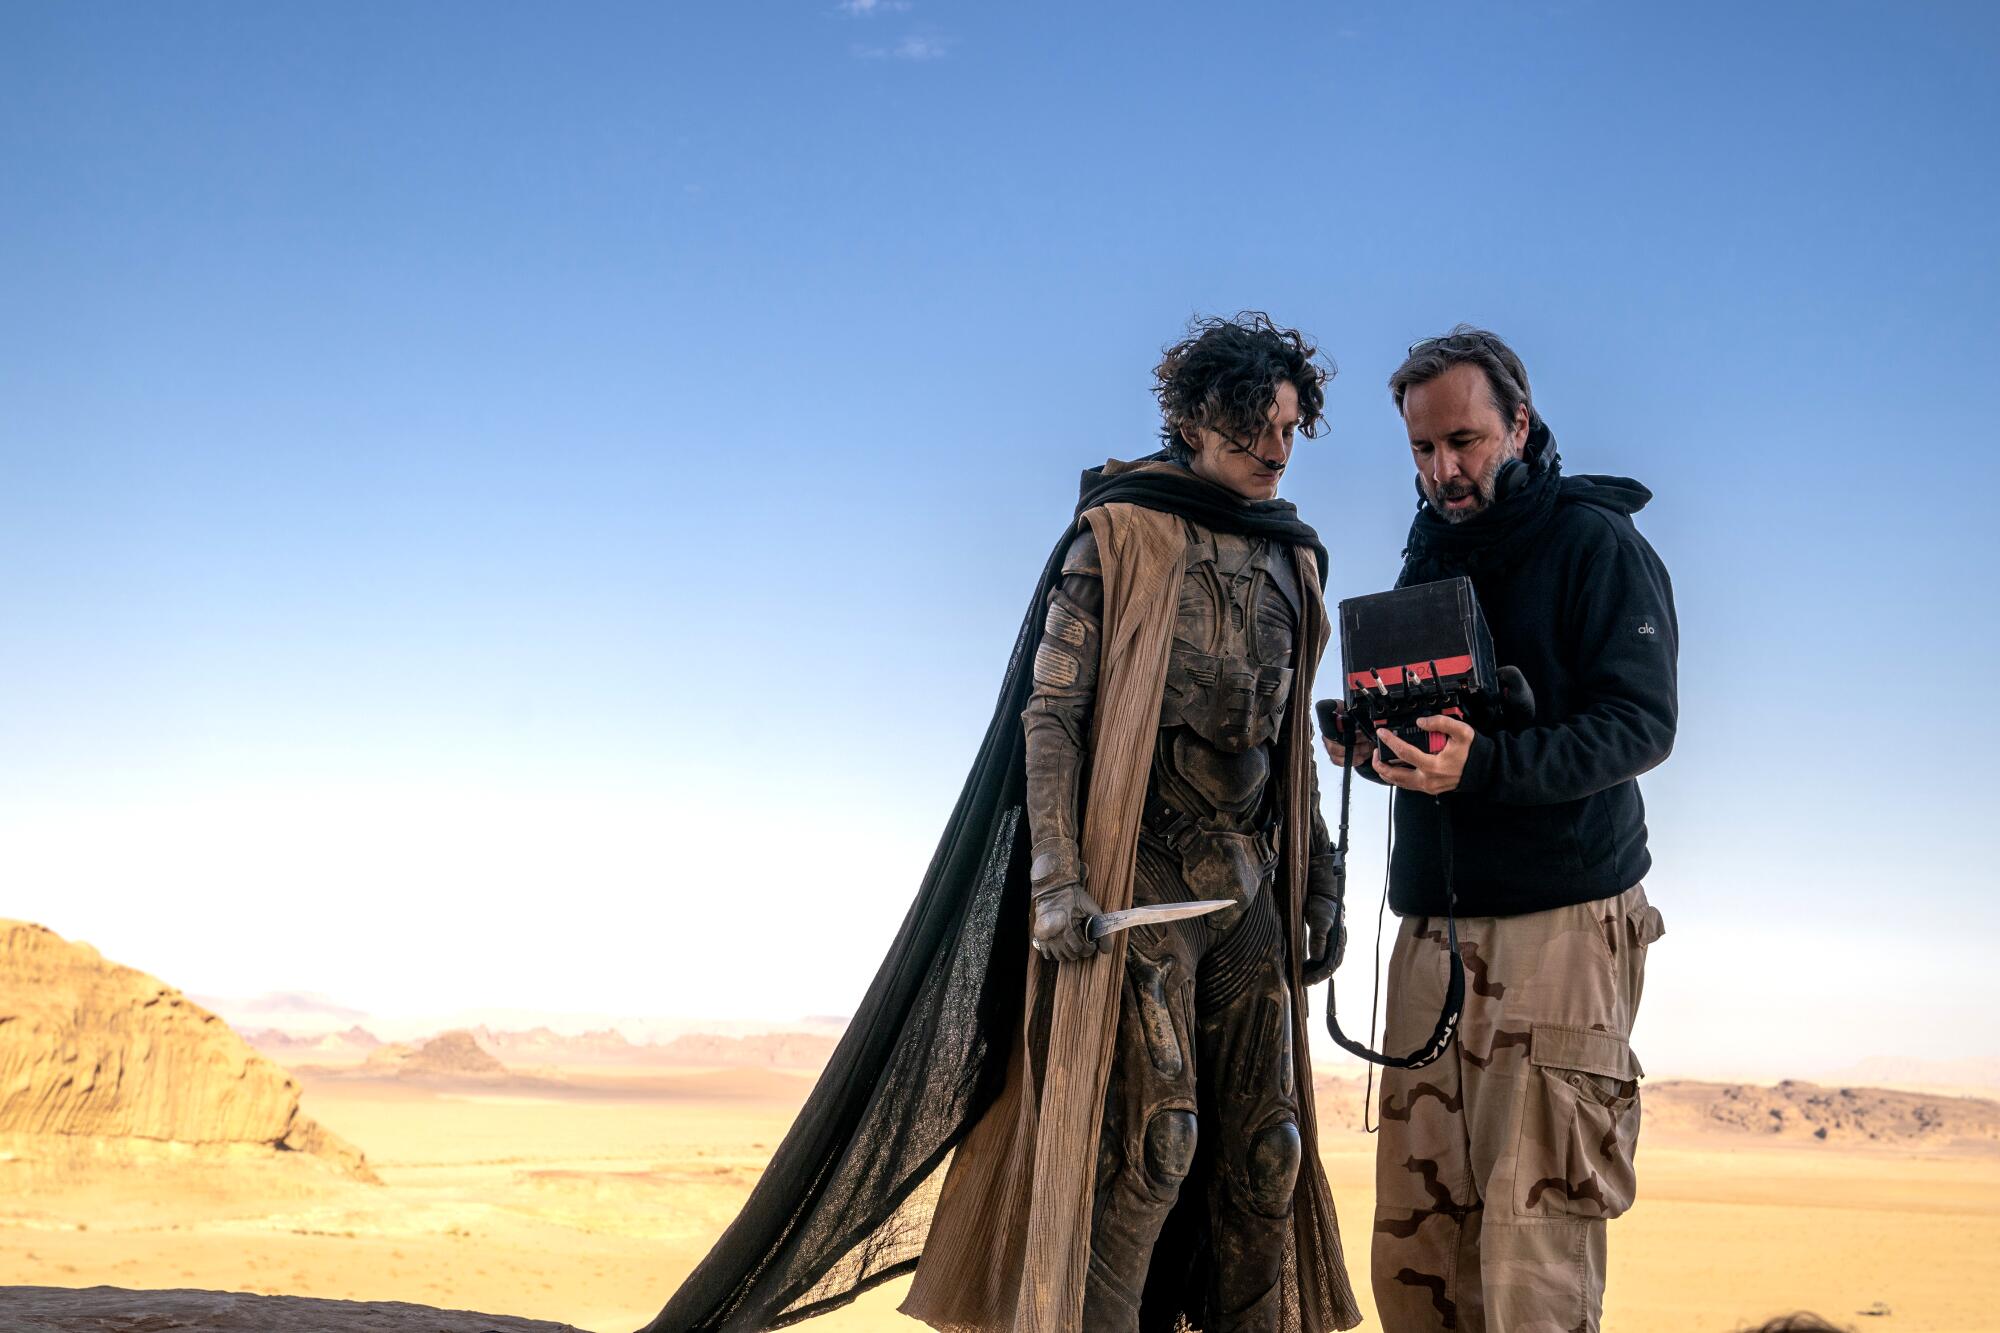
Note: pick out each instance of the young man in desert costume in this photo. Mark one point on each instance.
(1059, 1128)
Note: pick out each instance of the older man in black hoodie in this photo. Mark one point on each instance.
(1499, 1165)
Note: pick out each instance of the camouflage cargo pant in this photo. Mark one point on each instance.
(1499, 1165)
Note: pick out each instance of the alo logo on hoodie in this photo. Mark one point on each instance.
(1646, 627)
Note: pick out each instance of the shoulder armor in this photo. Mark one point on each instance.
(1201, 547)
(1309, 559)
(1081, 557)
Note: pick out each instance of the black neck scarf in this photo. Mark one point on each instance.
(1175, 490)
(1496, 537)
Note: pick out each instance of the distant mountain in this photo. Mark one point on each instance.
(543, 1049)
(782, 1050)
(1794, 1110)
(543, 1046)
(1787, 1112)
(298, 1013)
(354, 1044)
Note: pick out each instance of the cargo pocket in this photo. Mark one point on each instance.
(1579, 1125)
(1647, 925)
(1643, 929)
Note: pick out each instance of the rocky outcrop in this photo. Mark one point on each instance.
(90, 1050)
(98, 1309)
(1806, 1111)
(452, 1054)
(450, 1057)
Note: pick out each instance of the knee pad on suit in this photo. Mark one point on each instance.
(1271, 1168)
(1170, 1137)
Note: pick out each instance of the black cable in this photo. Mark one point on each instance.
(1453, 1008)
(1368, 1092)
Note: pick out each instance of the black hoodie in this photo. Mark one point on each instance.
(1548, 812)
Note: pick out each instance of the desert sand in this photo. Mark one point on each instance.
(145, 1145)
(587, 1205)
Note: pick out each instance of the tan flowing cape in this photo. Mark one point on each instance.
(1009, 1244)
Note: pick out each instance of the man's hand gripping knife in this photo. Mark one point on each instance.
(1062, 906)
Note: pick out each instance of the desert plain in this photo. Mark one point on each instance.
(145, 1145)
(588, 1204)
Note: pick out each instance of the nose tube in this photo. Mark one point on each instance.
(1256, 451)
(1266, 452)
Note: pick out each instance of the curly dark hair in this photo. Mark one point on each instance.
(1225, 374)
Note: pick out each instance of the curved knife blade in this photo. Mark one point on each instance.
(1107, 923)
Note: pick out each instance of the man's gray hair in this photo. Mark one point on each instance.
(1467, 346)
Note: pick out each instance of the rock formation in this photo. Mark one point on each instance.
(449, 1057)
(453, 1054)
(94, 1052)
(1806, 1111)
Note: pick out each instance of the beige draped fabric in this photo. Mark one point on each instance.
(1009, 1245)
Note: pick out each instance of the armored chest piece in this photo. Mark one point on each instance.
(1228, 675)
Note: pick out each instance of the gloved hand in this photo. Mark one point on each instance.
(1061, 907)
(1323, 953)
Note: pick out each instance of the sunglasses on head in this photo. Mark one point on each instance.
(1462, 341)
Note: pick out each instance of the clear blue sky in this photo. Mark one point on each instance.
(493, 496)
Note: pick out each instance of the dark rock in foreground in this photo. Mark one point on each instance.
(112, 1310)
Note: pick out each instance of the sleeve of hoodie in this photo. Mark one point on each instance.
(1624, 703)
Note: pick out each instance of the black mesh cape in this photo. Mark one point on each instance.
(846, 1200)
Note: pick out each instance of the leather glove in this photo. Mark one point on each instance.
(1061, 906)
(1323, 953)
